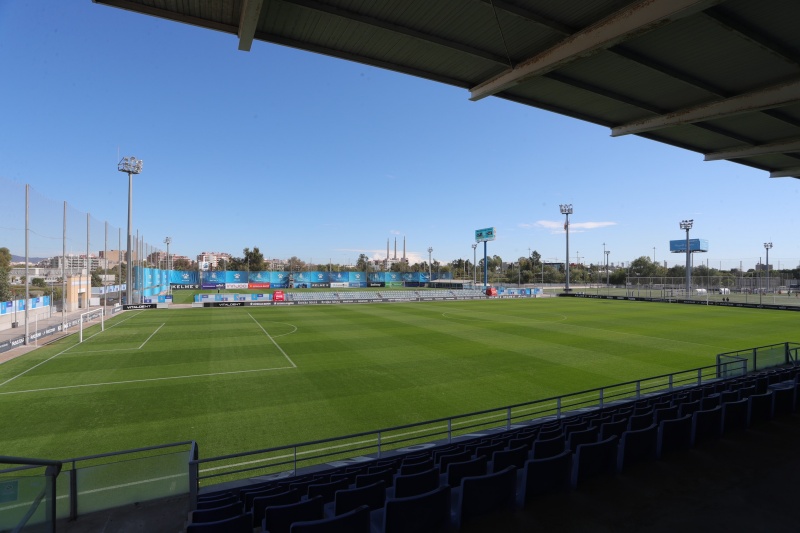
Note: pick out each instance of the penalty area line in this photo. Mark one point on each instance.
(273, 341)
(126, 382)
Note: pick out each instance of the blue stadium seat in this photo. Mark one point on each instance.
(502, 459)
(262, 502)
(216, 513)
(613, 428)
(706, 424)
(735, 415)
(711, 401)
(761, 408)
(637, 445)
(386, 475)
(480, 495)
(665, 413)
(674, 435)
(327, 490)
(414, 484)
(584, 436)
(689, 408)
(279, 518)
(458, 471)
(640, 421)
(218, 502)
(543, 448)
(545, 476)
(242, 523)
(783, 399)
(373, 496)
(594, 460)
(424, 513)
(455, 457)
(355, 521)
(416, 467)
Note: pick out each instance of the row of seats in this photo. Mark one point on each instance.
(446, 486)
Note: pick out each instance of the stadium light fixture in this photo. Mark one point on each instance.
(566, 209)
(687, 225)
(607, 252)
(131, 166)
(767, 246)
(430, 272)
(474, 261)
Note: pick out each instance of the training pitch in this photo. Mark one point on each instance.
(247, 378)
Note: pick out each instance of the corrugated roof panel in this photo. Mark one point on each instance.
(774, 161)
(760, 127)
(577, 14)
(632, 80)
(553, 93)
(770, 16)
(702, 48)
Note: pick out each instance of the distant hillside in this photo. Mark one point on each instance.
(21, 259)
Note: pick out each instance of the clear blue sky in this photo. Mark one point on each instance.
(309, 156)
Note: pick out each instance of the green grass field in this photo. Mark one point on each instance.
(237, 379)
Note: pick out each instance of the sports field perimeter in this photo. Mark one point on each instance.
(237, 379)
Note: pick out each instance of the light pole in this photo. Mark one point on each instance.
(566, 209)
(474, 261)
(767, 246)
(607, 252)
(687, 225)
(167, 241)
(131, 166)
(430, 272)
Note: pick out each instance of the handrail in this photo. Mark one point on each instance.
(52, 470)
(551, 406)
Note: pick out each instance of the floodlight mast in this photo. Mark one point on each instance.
(474, 262)
(687, 225)
(767, 246)
(430, 270)
(131, 166)
(167, 241)
(566, 209)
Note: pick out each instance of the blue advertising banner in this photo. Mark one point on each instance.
(183, 277)
(279, 280)
(212, 280)
(357, 279)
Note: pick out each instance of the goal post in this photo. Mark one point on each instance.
(85, 317)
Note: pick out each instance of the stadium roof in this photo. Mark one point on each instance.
(717, 77)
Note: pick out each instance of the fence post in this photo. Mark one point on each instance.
(449, 430)
(558, 408)
(638, 389)
(699, 376)
(51, 472)
(601, 398)
(379, 445)
(508, 418)
(755, 359)
(194, 479)
(73, 493)
(671, 376)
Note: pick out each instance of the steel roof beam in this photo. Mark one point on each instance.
(786, 173)
(629, 22)
(769, 97)
(777, 147)
(248, 22)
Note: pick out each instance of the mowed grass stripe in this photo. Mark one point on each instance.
(359, 367)
(186, 345)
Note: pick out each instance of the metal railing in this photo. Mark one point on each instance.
(11, 490)
(97, 482)
(285, 461)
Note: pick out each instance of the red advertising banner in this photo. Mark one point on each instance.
(278, 296)
(258, 285)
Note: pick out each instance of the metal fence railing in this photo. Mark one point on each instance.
(284, 461)
(89, 484)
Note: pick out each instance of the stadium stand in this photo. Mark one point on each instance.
(447, 486)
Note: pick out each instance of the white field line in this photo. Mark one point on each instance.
(147, 380)
(63, 351)
(151, 336)
(101, 489)
(273, 340)
(357, 443)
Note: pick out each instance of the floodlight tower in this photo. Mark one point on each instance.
(430, 272)
(767, 246)
(687, 225)
(607, 277)
(566, 209)
(474, 261)
(132, 166)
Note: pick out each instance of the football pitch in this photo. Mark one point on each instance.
(238, 379)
